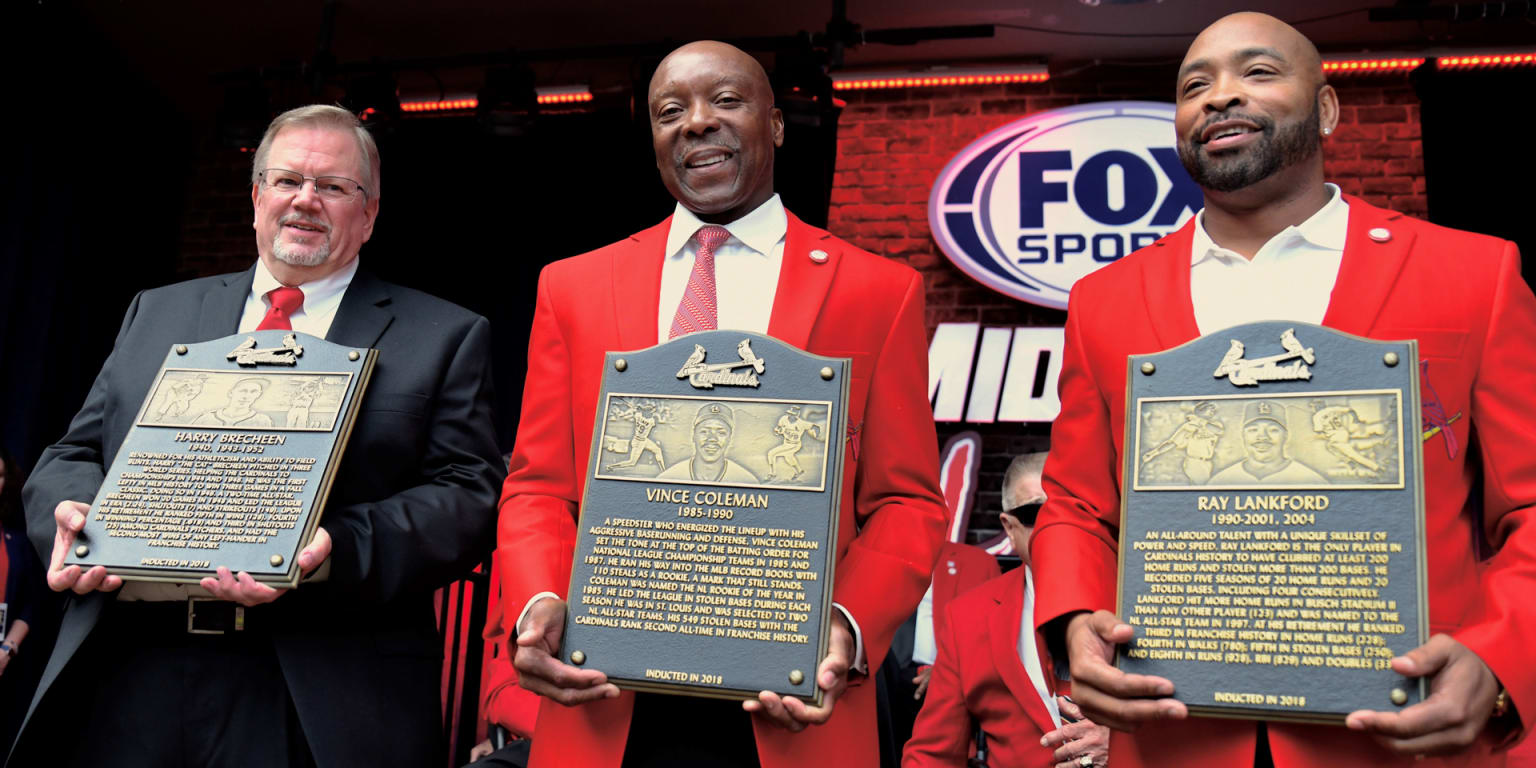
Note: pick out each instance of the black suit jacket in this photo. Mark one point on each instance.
(412, 507)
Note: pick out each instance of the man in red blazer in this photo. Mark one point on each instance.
(714, 129)
(989, 673)
(1275, 243)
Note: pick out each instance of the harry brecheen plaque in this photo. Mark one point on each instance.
(1272, 538)
(708, 529)
(229, 462)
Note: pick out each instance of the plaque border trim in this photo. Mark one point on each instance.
(768, 486)
(250, 374)
(1403, 437)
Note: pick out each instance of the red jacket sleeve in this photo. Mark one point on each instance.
(1505, 429)
(1073, 549)
(538, 501)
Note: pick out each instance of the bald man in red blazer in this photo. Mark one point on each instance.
(846, 302)
(1461, 295)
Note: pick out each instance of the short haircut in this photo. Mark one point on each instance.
(1021, 466)
(263, 383)
(322, 116)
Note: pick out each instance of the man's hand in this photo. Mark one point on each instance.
(69, 518)
(481, 750)
(792, 714)
(1074, 740)
(538, 669)
(241, 588)
(1461, 693)
(1106, 694)
(923, 676)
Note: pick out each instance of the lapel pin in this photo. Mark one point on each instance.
(1380, 234)
(819, 256)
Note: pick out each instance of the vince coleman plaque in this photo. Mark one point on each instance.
(229, 461)
(1272, 546)
(708, 529)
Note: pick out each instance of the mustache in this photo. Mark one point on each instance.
(1265, 125)
(683, 149)
(303, 218)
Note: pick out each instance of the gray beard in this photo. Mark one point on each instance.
(1280, 148)
(300, 257)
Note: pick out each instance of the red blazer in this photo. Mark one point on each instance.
(853, 304)
(978, 675)
(1462, 297)
(961, 568)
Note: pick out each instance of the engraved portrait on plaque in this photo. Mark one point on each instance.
(229, 462)
(706, 537)
(1272, 545)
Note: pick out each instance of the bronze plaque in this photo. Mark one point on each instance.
(708, 529)
(1272, 537)
(229, 462)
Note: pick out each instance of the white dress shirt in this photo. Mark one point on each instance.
(924, 648)
(1028, 653)
(1290, 278)
(746, 267)
(321, 300)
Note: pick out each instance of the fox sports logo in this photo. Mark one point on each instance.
(1032, 207)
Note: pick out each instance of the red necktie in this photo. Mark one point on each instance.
(284, 301)
(697, 311)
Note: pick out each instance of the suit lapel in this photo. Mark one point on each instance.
(223, 305)
(1166, 279)
(362, 316)
(636, 274)
(803, 283)
(1003, 628)
(1368, 270)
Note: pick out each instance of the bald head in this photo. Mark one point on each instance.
(1249, 31)
(714, 129)
(1252, 108)
(722, 57)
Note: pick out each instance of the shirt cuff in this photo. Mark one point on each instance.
(859, 664)
(518, 627)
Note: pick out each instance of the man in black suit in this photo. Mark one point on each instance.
(344, 669)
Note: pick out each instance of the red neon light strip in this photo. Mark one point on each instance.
(1499, 60)
(920, 82)
(1367, 66)
(565, 98)
(438, 106)
(453, 105)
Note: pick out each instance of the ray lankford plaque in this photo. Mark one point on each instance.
(1272, 538)
(708, 528)
(229, 461)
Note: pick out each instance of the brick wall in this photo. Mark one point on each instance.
(893, 143)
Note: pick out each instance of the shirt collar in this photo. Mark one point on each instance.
(1328, 228)
(759, 230)
(316, 292)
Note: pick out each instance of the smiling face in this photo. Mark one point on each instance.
(301, 237)
(710, 439)
(1251, 103)
(714, 129)
(1264, 440)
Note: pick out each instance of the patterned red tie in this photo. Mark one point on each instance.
(284, 301)
(697, 311)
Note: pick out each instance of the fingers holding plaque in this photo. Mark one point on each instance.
(708, 528)
(1272, 552)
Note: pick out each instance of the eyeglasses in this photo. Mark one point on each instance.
(1026, 513)
(332, 189)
